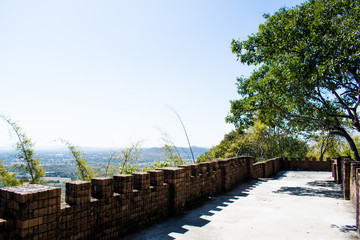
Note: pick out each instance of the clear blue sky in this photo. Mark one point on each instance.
(99, 73)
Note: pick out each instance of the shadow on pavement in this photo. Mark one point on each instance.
(345, 229)
(195, 216)
(328, 189)
(310, 192)
(326, 184)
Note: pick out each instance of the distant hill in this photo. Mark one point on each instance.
(58, 155)
(156, 154)
(59, 163)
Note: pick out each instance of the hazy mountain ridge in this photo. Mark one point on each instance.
(58, 155)
(60, 164)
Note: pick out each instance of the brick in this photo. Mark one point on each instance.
(102, 188)
(141, 180)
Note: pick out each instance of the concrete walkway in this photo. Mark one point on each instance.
(293, 205)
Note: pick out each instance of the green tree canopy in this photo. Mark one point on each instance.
(260, 141)
(7, 178)
(308, 72)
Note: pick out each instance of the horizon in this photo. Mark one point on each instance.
(85, 148)
(101, 73)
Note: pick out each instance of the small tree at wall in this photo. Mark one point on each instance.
(127, 157)
(109, 168)
(25, 152)
(85, 172)
(170, 152)
(7, 178)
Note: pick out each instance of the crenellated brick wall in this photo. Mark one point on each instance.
(344, 172)
(307, 164)
(108, 208)
(347, 172)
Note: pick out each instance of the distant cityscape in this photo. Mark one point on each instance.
(60, 164)
(60, 168)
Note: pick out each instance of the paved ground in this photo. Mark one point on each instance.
(293, 205)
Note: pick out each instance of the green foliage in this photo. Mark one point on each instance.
(325, 145)
(260, 141)
(170, 152)
(109, 169)
(7, 178)
(127, 157)
(172, 156)
(117, 162)
(308, 75)
(25, 152)
(159, 164)
(344, 149)
(331, 146)
(84, 170)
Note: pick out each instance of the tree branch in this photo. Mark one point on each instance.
(356, 76)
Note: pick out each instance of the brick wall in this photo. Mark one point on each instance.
(108, 208)
(306, 164)
(270, 167)
(347, 172)
(267, 168)
(337, 168)
(354, 166)
(31, 210)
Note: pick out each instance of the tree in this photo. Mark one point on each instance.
(85, 172)
(260, 141)
(170, 152)
(308, 73)
(343, 149)
(127, 157)
(109, 169)
(25, 152)
(7, 178)
(325, 144)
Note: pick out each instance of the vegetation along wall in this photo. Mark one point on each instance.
(108, 208)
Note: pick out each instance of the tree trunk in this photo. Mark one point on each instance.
(342, 132)
(352, 147)
(322, 147)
